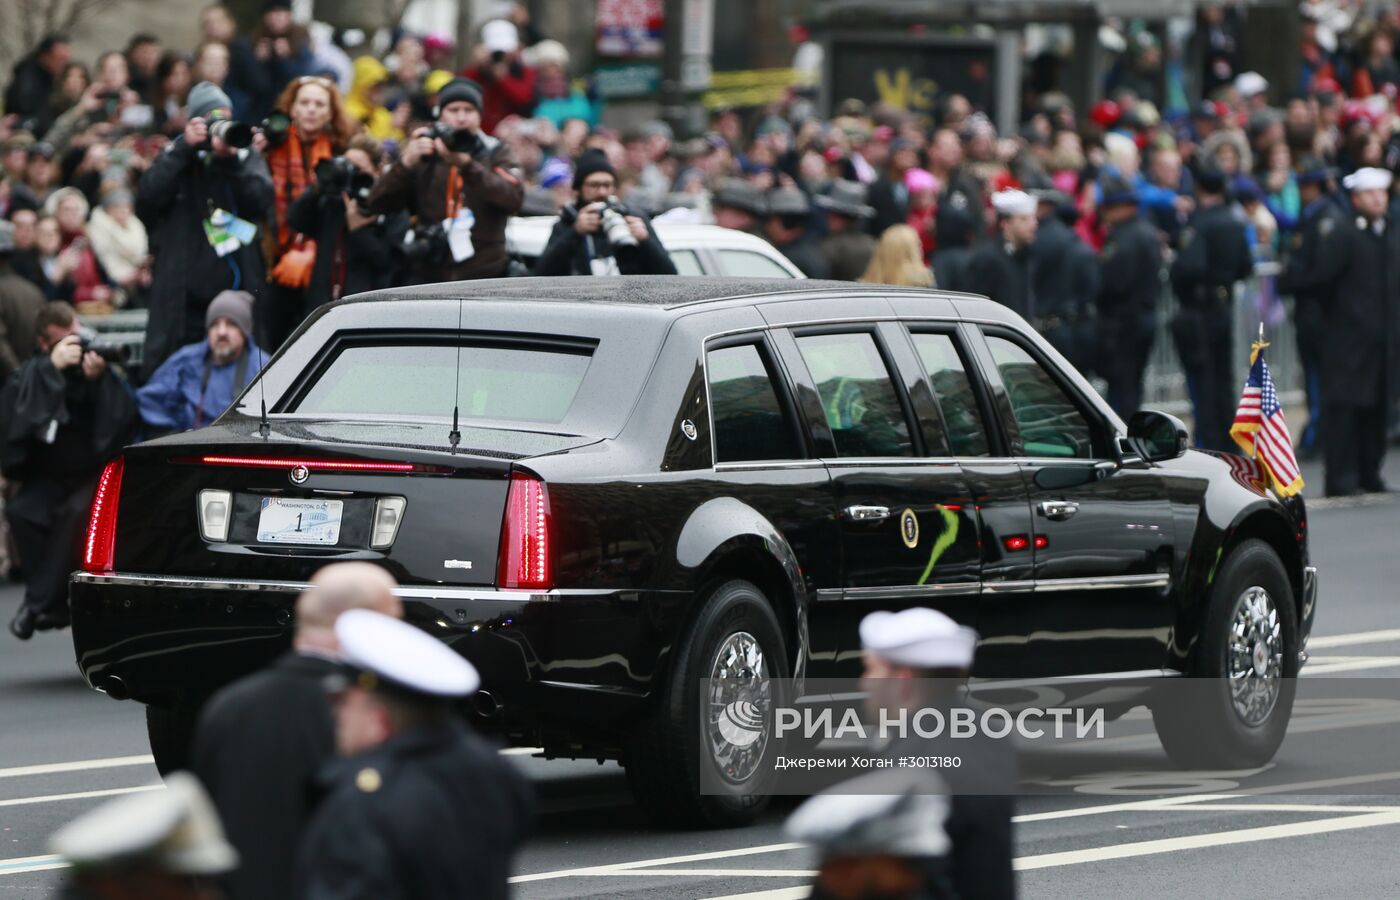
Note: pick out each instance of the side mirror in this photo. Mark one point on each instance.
(1157, 436)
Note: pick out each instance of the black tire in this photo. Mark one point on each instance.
(663, 753)
(171, 733)
(1196, 717)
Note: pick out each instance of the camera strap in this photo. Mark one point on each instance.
(456, 191)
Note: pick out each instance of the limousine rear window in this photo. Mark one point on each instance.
(510, 383)
(862, 407)
(749, 421)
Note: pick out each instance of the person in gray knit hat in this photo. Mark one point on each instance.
(201, 380)
(196, 177)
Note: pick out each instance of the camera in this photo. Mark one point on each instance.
(111, 102)
(459, 140)
(427, 244)
(275, 128)
(114, 354)
(238, 135)
(339, 175)
(614, 222)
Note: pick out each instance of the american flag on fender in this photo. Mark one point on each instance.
(1260, 430)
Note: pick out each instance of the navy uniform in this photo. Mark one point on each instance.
(1356, 272)
(1065, 282)
(1131, 283)
(954, 228)
(790, 211)
(1214, 255)
(432, 813)
(847, 252)
(163, 843)
(999, 268)
(1319, 219)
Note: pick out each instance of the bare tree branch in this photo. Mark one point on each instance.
(51, 8)
(81, 10)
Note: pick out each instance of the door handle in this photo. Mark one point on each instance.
(867, 513)
(1058, 510)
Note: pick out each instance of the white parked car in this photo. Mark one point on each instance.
(695, 249)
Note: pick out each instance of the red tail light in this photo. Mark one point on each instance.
(526, 559)
(99, 551)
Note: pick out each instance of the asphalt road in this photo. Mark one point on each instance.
(1087, 826)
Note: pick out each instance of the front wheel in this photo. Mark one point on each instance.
(735, 642)
(1233, 710)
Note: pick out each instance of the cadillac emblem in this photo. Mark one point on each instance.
(299, 474)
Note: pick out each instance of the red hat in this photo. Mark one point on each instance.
(1325, 85)
(1105, 113)
(834, 154)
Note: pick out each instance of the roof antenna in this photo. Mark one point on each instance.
(264, 426)
(454, 437)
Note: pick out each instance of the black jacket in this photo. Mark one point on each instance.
(890, 200)
(94, 419)
(1130, 269)
(28, 95)
(366, 259)
(175, 195)
(806, 254)
(433, 814)
(1356, 277)
(1214, 254)
(1315, 227)
(1065, 272)
(950, 268)
(570, 253)
(262, 778)
(1002, 275)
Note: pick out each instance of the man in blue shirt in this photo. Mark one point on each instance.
(199, 381)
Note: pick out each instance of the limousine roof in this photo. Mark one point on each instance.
(665, 291)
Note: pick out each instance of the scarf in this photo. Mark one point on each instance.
(293, 169)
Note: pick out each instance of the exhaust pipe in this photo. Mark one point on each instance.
(114, 687)
(486, 705)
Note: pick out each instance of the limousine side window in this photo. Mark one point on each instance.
(967, 434)
(749, 421)
(1050, 422)
(859, 399)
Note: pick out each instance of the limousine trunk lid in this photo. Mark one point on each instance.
(224, 504)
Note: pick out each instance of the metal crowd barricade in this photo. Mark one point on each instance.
(1255, 301)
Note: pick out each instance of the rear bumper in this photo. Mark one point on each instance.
(570, 664)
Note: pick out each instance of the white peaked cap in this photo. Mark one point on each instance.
(402, 655)
(1368, 179)
(174, 830)
(919, 637)
(1013, 203)
(1250, 83)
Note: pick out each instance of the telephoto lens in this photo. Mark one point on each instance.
(238, 135)
(615, 226)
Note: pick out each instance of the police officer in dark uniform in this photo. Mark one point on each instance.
(1131, 269)
(1214, 254)
(954, 229)
(789, 215)
(1065, 277)
(1001, 265)
(1322, 215)
(420, 807)
(1355, 273)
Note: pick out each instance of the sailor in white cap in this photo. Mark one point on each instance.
(420, 807)
(165, 843)
(1355, 275)
(919, 659)
(1000, 266)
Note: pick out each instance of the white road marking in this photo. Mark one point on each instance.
(1201, 841)
(22, 864)
(82, 765)
(797, 893)
(663, 861)
(82, 795)
(1161, 803)
(1327, 641)
(707, 873)
(1321, 665)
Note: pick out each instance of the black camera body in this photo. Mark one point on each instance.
(614, 223)
(111, 102)
(428, 245)
(339, 175)
(238, 135)
(459, 140)
(114, 354)
(276, 127)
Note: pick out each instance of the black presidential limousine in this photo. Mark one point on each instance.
(601, 491)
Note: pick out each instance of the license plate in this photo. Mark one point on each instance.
(299, 521)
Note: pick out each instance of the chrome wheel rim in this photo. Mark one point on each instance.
(740, 703)
(1255, 656)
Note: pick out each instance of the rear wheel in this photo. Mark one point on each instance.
(171, 733)
(1233, 712)
(735, 641)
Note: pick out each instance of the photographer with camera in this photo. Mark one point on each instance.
(199, 381)
(311, 129)
(208, 183)
(356, 249)
(66, 411)
(599, 236)
(461, 186)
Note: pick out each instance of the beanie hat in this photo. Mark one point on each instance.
(205, 98)
(236, 306)
(590, 161)
(456, 90)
